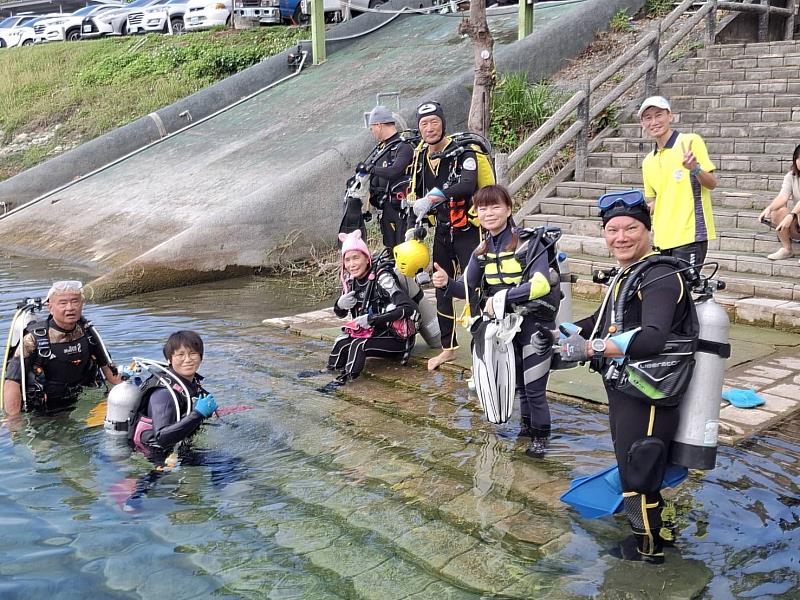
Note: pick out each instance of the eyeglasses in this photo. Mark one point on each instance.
(628, 198)
(185, 355)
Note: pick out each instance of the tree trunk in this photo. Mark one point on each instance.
(477, 29)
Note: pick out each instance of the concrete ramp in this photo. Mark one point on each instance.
(260, 182)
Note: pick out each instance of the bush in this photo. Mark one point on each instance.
(519, 108)
(658, 8)
(621, 22)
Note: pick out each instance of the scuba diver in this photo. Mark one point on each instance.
(384, 317)
(380, 181)
(642, 341)
(160, 407)
(172, 403)
(444, 177)
(511, 270)
(57, 357)
(387, 165)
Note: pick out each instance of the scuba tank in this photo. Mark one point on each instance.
(695, 442)
(428, 321)
(565, 308)
(121, 407)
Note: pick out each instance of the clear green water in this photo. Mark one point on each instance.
(385, 494)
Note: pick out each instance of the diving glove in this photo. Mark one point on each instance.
(542, 340)
(362, 321)
(574, 348)
(205, 405)
(347, 301)
(422, 206)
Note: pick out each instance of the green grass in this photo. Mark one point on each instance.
(621, 22)
(92, 87)
(658, 8)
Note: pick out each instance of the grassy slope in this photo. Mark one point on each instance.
(91, 87)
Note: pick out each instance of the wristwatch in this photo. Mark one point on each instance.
(598, 347)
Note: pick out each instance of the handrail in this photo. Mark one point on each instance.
(582, 102)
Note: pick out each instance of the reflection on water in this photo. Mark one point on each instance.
(306, 495)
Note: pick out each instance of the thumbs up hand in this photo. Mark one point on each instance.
(440, 278)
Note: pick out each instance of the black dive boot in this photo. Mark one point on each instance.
(537, 448)
(636, 549)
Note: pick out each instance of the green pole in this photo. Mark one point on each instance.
(318, 31)
(525, 18)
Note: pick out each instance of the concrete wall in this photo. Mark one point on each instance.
(120, 142)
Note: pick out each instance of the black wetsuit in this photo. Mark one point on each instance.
(58, 364)
(157, 427)
(386, 302)
(390, 160)
(660, 308)
(532, 369)
(455, 237)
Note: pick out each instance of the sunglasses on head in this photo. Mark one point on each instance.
(627, 198)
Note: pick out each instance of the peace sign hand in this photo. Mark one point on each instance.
(689, 159)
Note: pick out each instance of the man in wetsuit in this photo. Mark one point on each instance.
(62, 354)
(387, 165)
(659, 310)
(440, 166)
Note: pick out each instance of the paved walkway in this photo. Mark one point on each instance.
(765, 360)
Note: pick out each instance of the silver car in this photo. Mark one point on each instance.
(114, 22)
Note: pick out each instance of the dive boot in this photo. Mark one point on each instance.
(629, 549)
(537, 448)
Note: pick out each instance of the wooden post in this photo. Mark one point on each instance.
(763, 22)
(477, 28)
(651, 78)
(501, 168)
(525, 18)
(711, 24)
(318, 31)
(582, 139)
(790, 20)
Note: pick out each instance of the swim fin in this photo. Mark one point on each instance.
(494, 366)
(599, 495)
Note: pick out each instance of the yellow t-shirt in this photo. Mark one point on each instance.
(682, 212)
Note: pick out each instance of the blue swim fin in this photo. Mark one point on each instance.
(742, 398)
(600, 495)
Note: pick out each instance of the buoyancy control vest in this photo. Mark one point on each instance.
(462, 214)
(162, 379)
(60, 370)
(660, 379)
(506, 269)
(384, 154)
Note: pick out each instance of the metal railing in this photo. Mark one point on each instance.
(658, 49)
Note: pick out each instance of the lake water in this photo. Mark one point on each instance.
(307, 495)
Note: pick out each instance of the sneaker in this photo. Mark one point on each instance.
(780, 254)
(537, 448)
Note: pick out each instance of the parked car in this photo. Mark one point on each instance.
(158, 18)
(21, 34)
(10, 23)
(68, 27)
(266, 11)
(297, 11)
(113, 22)
(202, 14)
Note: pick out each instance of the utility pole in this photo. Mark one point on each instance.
(525, 18)
(318, 31)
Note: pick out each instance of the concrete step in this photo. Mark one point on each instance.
(713, 88)
(715, 145)
(732, 63)
(731, 75)
(752, 49)
(781, 114)
(728, 179)
(725, 219)
(776, 291)
(730, 131)
(749, 163)
(723, 197)
(743, 101)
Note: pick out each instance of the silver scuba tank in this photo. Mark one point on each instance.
(122, 404)
(428, 321)
(565, 308)
(695, 443)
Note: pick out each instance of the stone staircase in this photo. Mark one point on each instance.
(744, 99)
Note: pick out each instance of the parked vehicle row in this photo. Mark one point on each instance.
(111, 17)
